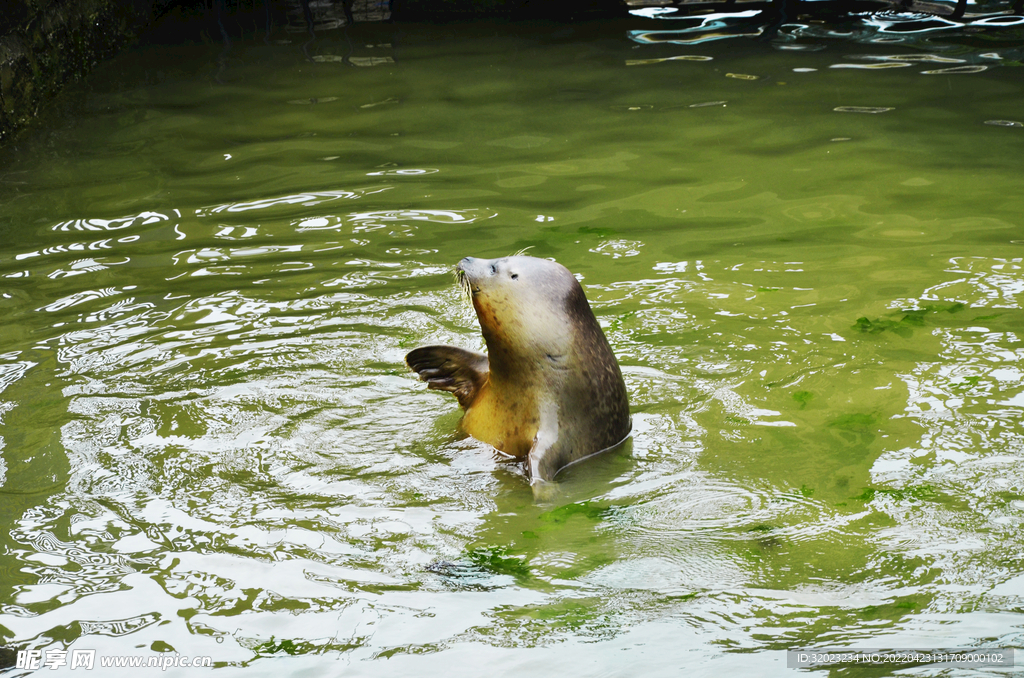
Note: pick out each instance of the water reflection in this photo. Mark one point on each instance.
(94, 224)
(303, 199)
(862, 109)
(957, 69)
(884, 27)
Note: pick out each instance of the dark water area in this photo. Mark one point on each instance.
(804, 242)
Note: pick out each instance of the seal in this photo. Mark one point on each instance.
(549, 391)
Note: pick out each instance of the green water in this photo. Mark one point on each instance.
(211, 445)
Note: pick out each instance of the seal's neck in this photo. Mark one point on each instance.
(505, 363)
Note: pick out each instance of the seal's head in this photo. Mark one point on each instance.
(527, 308)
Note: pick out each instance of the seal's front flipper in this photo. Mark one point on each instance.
(448, 368)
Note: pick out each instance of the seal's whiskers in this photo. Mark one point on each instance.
(465, 291)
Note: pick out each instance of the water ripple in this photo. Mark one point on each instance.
(310, 199)
(96, 224)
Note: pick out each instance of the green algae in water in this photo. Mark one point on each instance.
(499, 560)
(855, 422)
(904, 327)
(803, 397)
(585, 509)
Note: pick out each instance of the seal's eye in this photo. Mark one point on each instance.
(494, 269)
(515, 276)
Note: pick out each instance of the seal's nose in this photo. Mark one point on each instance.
(465, 263)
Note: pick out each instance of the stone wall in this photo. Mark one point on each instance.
(45, 44)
